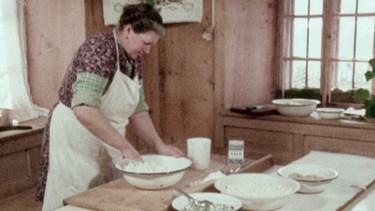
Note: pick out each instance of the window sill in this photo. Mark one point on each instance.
(37, 125)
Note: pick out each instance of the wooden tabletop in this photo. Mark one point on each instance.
(119, 195)
(356, 175)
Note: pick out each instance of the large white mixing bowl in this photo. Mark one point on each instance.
(160, 172)
(295, 106)
(258, 191)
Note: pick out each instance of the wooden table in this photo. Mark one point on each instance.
(119, 195)
(356, 174)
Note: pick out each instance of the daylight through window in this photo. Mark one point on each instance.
(326, 45)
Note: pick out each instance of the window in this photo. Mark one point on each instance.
(14, 90)
(326, 46)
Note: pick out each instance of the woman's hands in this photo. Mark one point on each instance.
(143, 127)
(167, 149)
(130, 152)
(94, 120)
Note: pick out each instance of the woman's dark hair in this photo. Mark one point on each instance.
(142, 18)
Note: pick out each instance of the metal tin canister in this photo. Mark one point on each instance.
(235, 152)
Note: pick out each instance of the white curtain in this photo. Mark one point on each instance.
(14, 87)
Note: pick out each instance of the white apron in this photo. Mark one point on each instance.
(77, 159)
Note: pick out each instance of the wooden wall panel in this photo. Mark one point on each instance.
(94, 18)
(178, 77)
(55, 29)
(182, 74)
(186, 83)
(245, 51)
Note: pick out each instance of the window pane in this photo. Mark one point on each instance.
(315, 37)
(344, 75)
(346, 38)
(314, 74)
(352, 42)
(316, 7)
(366, 6)
(287, 73)
(365, 38)
(5, 98)
(299, 74)
(301, 7)
(5, 23)
(300, 37)
(359, 77)
(348, 6)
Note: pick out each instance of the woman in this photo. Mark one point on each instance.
(101, 92)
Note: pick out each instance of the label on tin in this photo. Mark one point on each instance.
(235, 152)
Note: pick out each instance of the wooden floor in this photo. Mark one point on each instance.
(21, 202)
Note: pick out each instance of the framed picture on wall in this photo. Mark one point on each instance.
(172, 11)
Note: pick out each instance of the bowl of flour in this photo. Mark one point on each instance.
(258, 191)
(156, 172)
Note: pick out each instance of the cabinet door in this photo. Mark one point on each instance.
(258, 143)
(19, 164)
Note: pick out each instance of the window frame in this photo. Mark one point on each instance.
(329, 39)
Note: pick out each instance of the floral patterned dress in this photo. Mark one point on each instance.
(88, 77)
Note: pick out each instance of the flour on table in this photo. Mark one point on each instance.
(212, 176)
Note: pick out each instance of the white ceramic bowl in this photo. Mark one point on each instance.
(312, 178)
(258, 191)
(329, 113)
(157, 172)
(295, 106)
(217, 199)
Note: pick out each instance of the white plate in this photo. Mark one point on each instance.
(217, 198)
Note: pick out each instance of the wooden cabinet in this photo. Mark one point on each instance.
(261, 142)
(288, 138)
(19, 158)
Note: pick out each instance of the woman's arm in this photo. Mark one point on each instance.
(143, 127)
(95, 121)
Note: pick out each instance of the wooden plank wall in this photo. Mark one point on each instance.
(245, 51)
(183, 74)
(178, 77)
(54, 30)
(245, 57)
